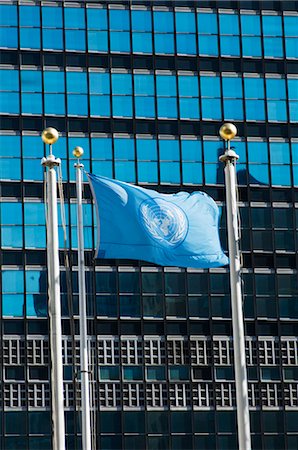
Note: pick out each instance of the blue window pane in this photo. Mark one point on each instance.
(167, 107)
(76, 82)
(291, 48)
(257, 152)
(36, 305)
(9, 102)
(291, 25)
(186, 44)
(101, 148)
(29, 16)
(169, 172)
(230, 45)
(147, 172)
(34, 214)
(52, 39)
(31, 146)
(77, 104)
(280, 152)
(293, 106)
(10, 145)
(281, 175)
(276, 88)
(207, 23)
(120, 41)
(228, 24)
(9, 80)
(30, 38)
(74, 17)
(121, 83)
(51, 16)
(188, 86)
(97, 19)
(251, 46)
(144, 84)
(208, 45)
(191, 150)
(210, 86)
(211, 175)
(13, 305)
(146, 149)
(212, 151)
(119, 19)
(255, 109)
(133, 373)
(8, 37)
(145, 107)
(12, 281)
(169, 150)
(124, 148)
(273, 47)
(54, 104)
(125, 171)
(12, 236)
(250, 24)
(164, 43)
(189, 108)
(32, 103)
(272, 25)
(185, 22)
(166, 85)
(122, 106)
(130, 306)
(9, 170)
(141, 20)
(295, 153)
(8, 15)
(254, 87)
(53, 81)
(293, 89)
(163, 21)
(192, 173)
(99, 83)
(75, 40)
(106, 305)
(232, 87)
(97, 41)
(277, 110)
(11, 213)
(100, 105)
(259, 174)
(211, 108)
(31, 81)
(141, 42)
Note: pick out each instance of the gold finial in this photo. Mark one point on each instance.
(228, 131)
(50, 135)
(78, 152)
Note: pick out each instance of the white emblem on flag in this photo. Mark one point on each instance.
(164, 221)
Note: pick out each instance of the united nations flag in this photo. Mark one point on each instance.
(166, 229)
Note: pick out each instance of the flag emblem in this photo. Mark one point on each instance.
(164, 221)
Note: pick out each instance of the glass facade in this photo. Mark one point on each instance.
(143, 87)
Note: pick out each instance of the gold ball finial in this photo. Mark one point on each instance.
(78, 152)
(228, 131)
(50, 135)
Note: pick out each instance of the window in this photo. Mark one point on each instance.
(35, 232)
(124, 154)
(188, 97)
(280, 163)
(164, 32)
(77, 101)
(9, 96)
(191, 154)
(119, 30)
(229, 35)
(54, 89)
(293, 99)
(232, 98)
(75, 35)
(210, 93)
(29, 27)
(185, 32)
(272, 31)
(122, 94)
(258, 162)
(207, 33)
(290, 29)
(8, 24)
(166, 91)
(144, 95)
(169, 156)
(276, 99)
(13, 304)
(102, 155)
(254, 98)
(251, 35)
(97, 26)
(52, 33)
(147, 160)
(141, 31)
(99, 85)
(10, 150)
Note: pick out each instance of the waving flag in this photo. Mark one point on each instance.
(166, 229)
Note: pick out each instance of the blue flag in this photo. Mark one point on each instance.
(166, 229)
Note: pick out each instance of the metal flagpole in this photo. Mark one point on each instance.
(50, 136)
(86, 428)
(227, 132)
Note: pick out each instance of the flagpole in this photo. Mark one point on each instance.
(229, 158)
(50, 136)
(85, 400)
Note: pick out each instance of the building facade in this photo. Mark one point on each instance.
(143, 87)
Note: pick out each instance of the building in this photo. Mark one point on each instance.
(143, 87)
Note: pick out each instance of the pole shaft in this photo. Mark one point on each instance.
(55, 313)
(237, 313)
(86, 428)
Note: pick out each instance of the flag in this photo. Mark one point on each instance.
(166, 229)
